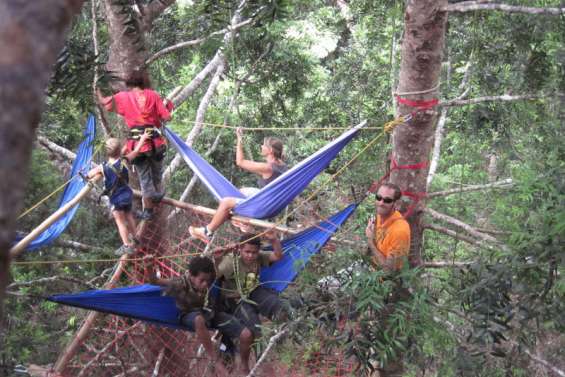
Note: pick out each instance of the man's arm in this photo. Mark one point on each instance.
(378, 258)
(149, 262)
(273, 238)
(106, 102)
(133, 154)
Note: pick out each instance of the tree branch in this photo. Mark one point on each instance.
(274, 339)
(193, 42)
(468, 228)
(468, 6)
(445, 264)
(48, 280)
(438, 138)
(200, 114)
(452, 233)
(151, 11)
(504, 184)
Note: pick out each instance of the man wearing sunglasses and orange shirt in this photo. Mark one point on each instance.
(389, 237)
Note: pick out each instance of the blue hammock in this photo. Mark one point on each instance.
(82, 162)
(275, 196)
(145, 302)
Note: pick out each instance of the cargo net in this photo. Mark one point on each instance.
(117, 346)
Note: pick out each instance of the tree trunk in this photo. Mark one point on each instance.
(422, 48)
(127, 41)
(31, 36)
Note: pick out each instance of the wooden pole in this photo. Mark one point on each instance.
(81, 335)
(20, 246)
(211, 212)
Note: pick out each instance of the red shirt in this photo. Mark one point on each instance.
(140, 107)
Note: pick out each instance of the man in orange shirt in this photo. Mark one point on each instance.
(389, 238)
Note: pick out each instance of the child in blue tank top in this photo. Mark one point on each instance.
(116, 187)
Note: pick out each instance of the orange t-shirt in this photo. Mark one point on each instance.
(392, 238)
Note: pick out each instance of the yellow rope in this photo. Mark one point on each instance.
(45, 198)
(27, 211)
(388, 127)
(216, 125)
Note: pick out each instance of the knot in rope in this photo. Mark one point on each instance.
(390, 126)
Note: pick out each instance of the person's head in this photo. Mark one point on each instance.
(274, 146)
(138, 79)
(386, 198)
(113, 147)
(201, 272)
(249, 247)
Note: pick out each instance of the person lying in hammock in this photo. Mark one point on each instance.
(268, 171)
(191, 292)
(116, 187)
(238, 270)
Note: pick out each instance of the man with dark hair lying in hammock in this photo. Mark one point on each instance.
(268, 171)
(198, 310)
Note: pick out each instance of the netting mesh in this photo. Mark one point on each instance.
(117, 346)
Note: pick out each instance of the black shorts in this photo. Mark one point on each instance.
(226, 323)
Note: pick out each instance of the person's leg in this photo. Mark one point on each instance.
(143, 169)
(121, 223)
(221, 215)
(269, 304)
(156, 175)
(195, 322)
(245, 342)
(132, 227)
(249, 316)
(231, 327)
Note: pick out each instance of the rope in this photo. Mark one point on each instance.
(418, 92)
(40, 202)
(217, 125)
(46, 197)
(388, 127)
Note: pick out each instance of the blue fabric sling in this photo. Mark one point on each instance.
(145, 302)
(81, 163)
(275, 196)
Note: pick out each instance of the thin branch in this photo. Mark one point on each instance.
(504, 184)
(69, 244)
(452, 233)
(194, 42)
(468, 228)
(444, 264)
(48, 280)
(200, 114)
(438, 138)
(274, 339)
(158, 363)
(544, 362)
(502, 98)
(468, 6)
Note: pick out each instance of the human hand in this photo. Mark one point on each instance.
(369, 230)
(271, 235)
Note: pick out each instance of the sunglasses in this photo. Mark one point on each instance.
(385, 200)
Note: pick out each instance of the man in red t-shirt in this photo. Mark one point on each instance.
(143, 111)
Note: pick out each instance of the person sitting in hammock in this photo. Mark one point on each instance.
(238, 269)
(116, 187)
(198, 313)
(268, 171)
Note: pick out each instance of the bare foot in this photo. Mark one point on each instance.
(198, 233)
